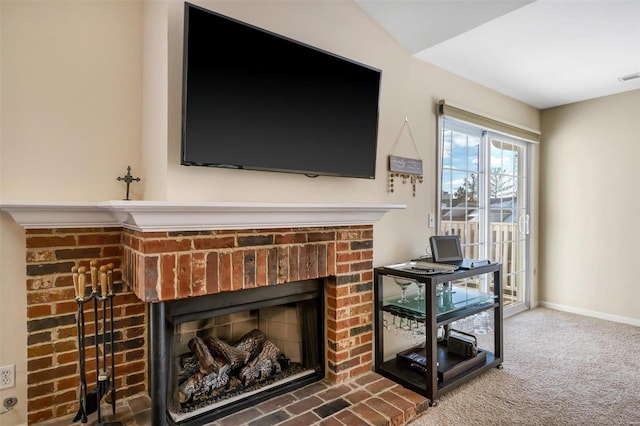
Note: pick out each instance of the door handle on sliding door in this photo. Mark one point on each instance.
(523, 224)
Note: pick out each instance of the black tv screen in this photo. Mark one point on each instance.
(256, 100)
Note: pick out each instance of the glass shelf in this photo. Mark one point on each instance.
(455, 300)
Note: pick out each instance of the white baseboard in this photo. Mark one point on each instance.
(589, 313)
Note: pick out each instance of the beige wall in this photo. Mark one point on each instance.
(410, 89)
(589, 207)
(71, 98)
(71, 113)
(90, 87)
(154, 107)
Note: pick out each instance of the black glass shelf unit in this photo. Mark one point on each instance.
(411, 307)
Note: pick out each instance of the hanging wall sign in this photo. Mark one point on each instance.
(411, 166)
(408, 169)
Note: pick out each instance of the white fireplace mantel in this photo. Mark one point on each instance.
(150, 216)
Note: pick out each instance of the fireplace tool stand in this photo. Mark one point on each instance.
(105, 376)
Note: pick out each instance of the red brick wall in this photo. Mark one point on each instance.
(52, 348)
(170, 265)
(349, 300)
(175, 265)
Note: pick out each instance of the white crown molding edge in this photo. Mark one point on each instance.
(149, 216)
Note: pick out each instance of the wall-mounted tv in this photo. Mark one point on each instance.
(256, 100)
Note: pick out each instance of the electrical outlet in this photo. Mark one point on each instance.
(7, 376)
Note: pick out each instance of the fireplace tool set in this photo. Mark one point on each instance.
(105, 384)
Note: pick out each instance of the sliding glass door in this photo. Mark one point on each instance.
(484, 199)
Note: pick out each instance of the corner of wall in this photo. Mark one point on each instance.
(13, 334)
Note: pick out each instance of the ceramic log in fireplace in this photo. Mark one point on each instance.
(263, 342)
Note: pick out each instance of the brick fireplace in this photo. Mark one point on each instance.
(175, 265)
(215, 248)
(52, 347)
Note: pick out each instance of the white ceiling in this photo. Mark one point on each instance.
(544, 53)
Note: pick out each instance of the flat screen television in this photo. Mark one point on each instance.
(256, 100)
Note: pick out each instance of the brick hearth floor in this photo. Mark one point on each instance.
(368, 400)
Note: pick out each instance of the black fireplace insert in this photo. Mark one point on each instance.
(210, 356)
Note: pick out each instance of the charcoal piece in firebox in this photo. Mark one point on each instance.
(285, 363)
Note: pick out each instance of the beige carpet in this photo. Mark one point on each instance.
(559, 369)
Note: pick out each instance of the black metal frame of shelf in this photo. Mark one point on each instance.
(427, 384)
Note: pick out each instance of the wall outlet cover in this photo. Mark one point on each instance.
(7, 376)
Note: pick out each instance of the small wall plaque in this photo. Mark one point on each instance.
(403, 165)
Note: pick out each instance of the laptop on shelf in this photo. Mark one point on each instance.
(447, 249)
